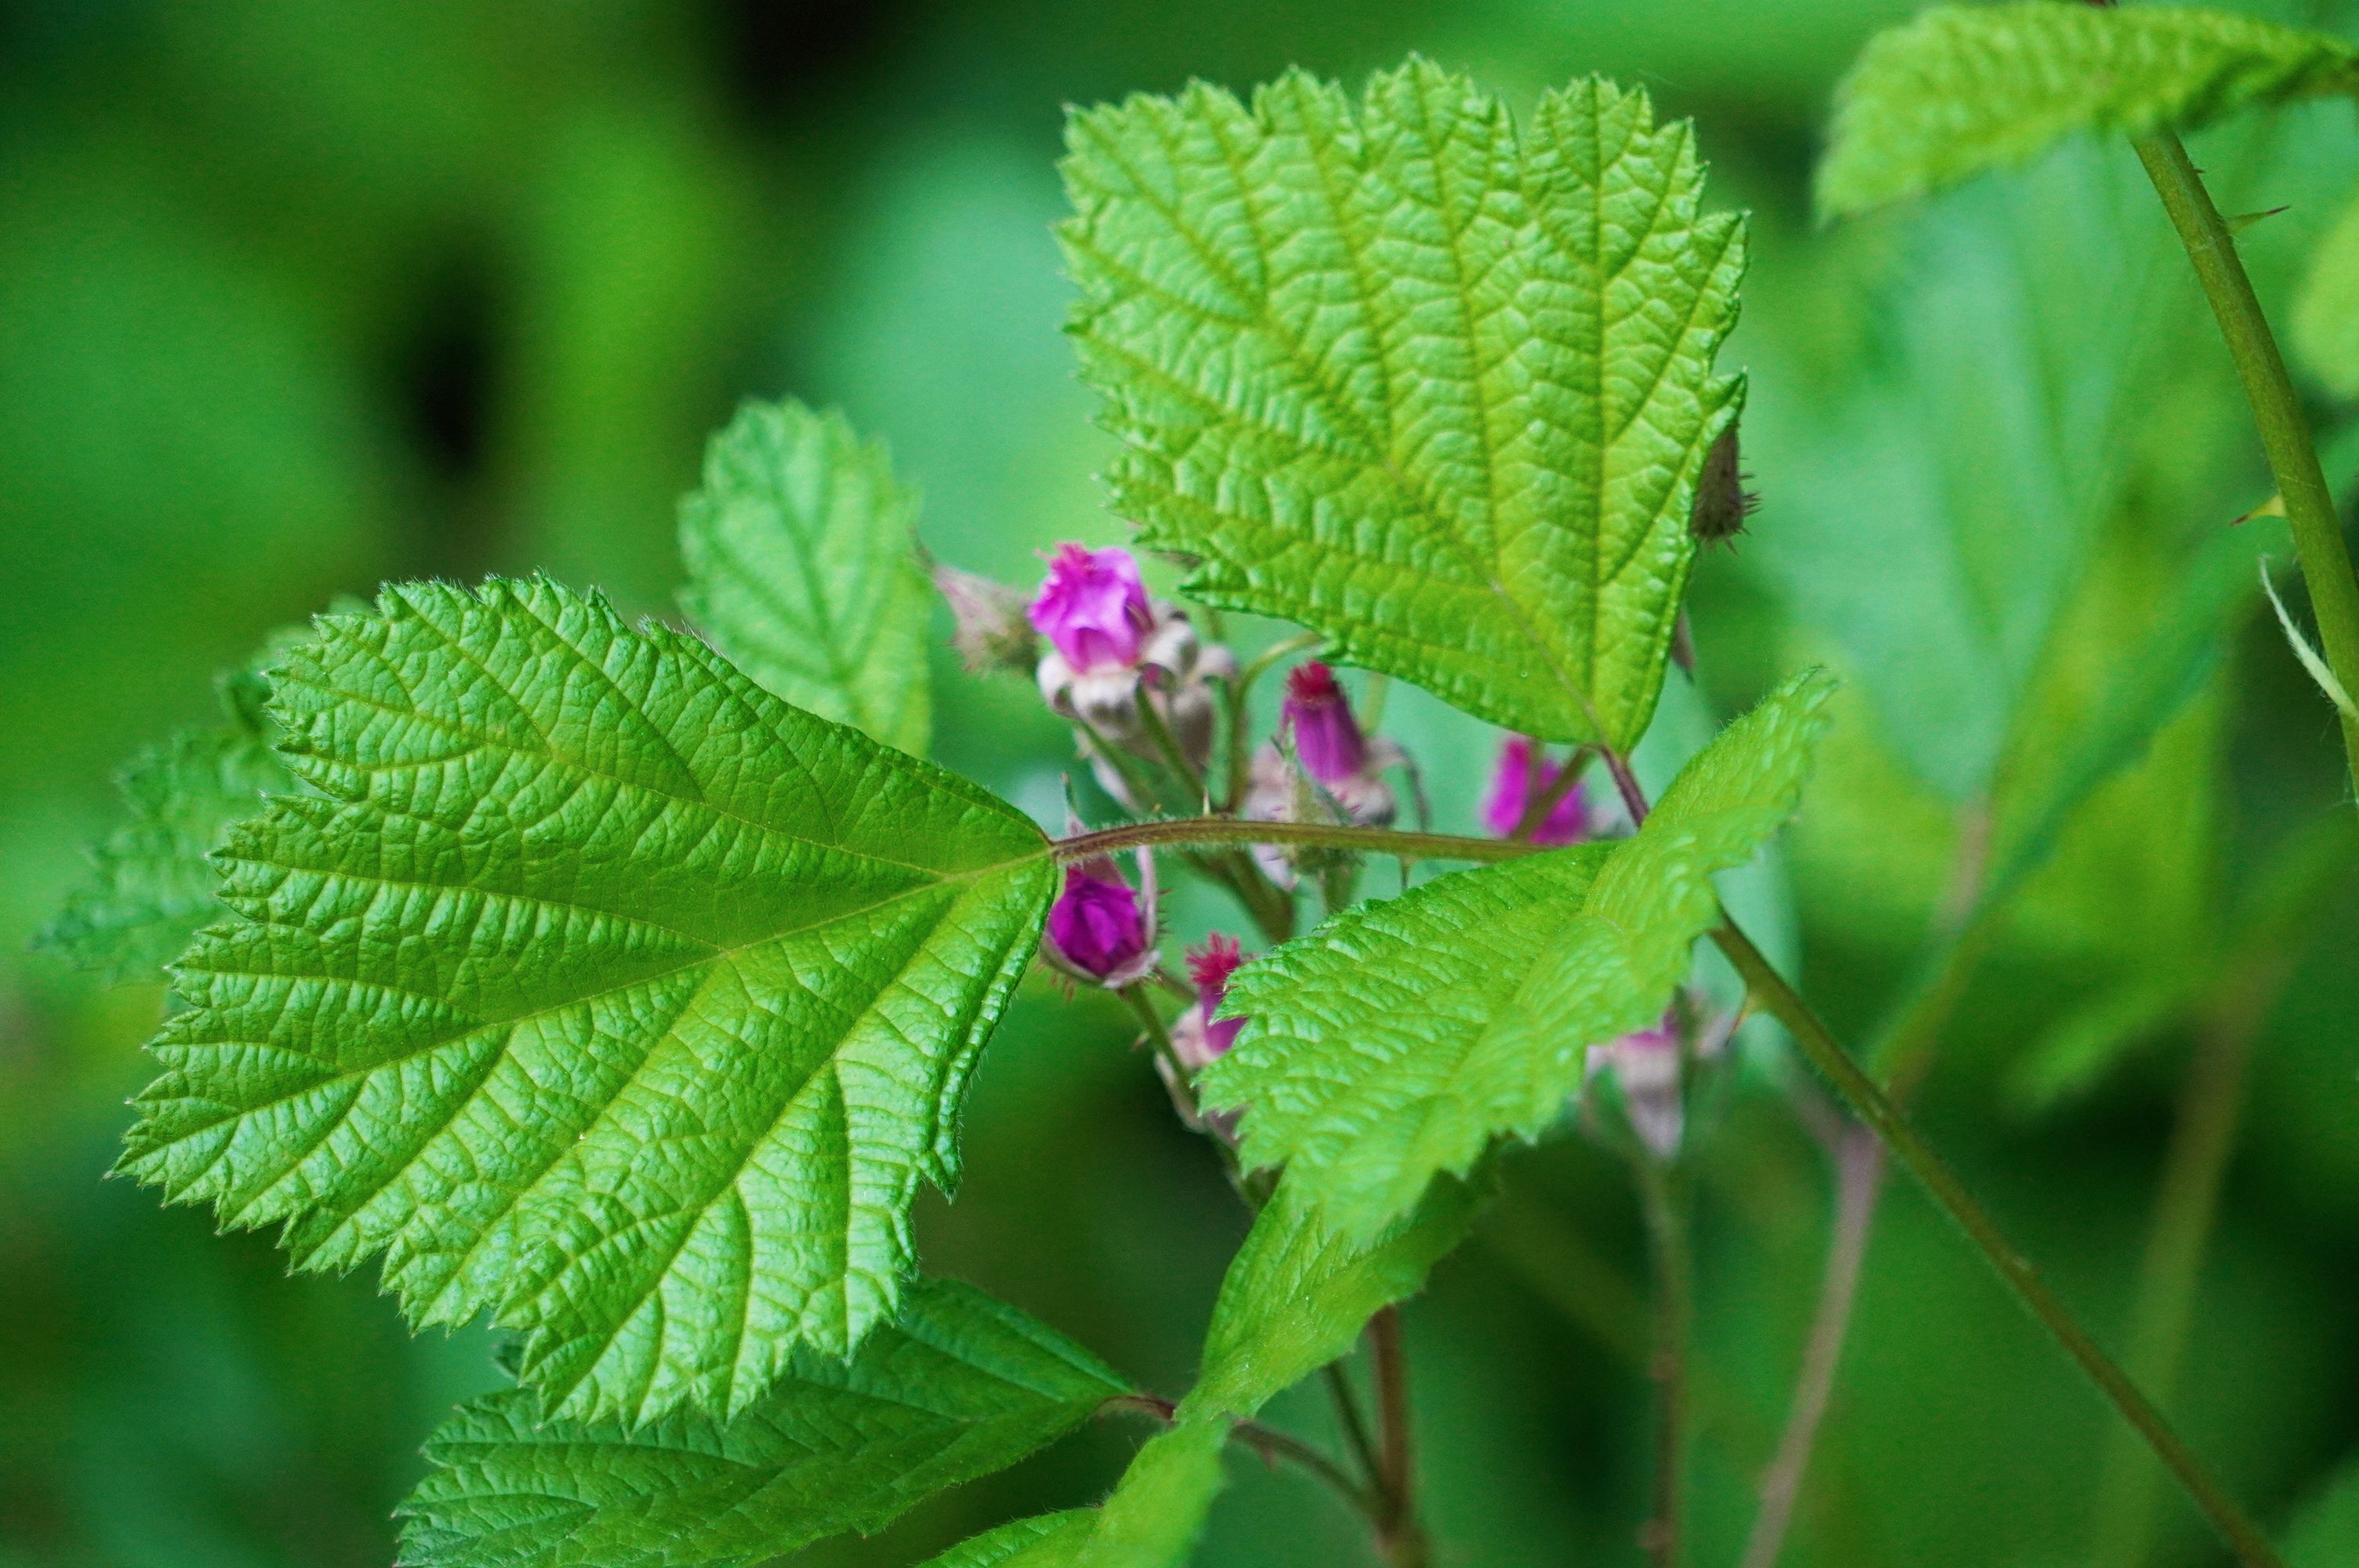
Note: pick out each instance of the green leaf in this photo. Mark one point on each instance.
(1049, 1541)
(802, 568)
(959, 1386)
(151, 884)
(2326, 314)
(1395, 1041)
(2325, 1534)
(1299, 1292)
(598, 989)
(1157, 1509)
(1436, 388)
(1964, 88)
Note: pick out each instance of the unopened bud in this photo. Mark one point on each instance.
(1721, 501)
(989, 628)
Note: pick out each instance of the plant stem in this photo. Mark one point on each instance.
(1872, 1106)
(2211, 1103)
(1662, 1197)
(1348, 1417)
(2285, 432)
(1266, 1441)
(1211, 830)
(1397, 1531)
(1859, 1170)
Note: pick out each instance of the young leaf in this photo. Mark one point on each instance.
(2326, 316)
(1395, 1041)
(598, 989)
(1157, 1508)
(1299, 1292)
(151, 884)
(802, 568)
(1049, 1541)
(1435, 388)
(958, 1387)
(1964, 88)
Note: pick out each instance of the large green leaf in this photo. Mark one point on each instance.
(598, 989)
(1437, 388)
(959, 1386)
(151, 884)
(1396, 1040)
(1963, 89)
(802, 568)
(1299, 1292)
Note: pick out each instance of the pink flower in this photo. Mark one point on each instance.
(1198, 1039)
(1326, 736)
(1515, 780)
(1100, 928)
(1092, 609)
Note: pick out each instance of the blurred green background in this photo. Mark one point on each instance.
(301, 294)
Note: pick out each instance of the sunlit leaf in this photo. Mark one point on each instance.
(597, 988)
(1436, 387)
(1049, 1541)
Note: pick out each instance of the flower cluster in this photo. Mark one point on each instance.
(1132, 675)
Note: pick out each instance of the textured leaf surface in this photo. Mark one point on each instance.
(1298, 1292)
(1396, 1040)
(958, 1387)
(1437, 388)
(1964, 88)
(151, 884)
(598, 989)
(2326, 316)
(802, 568)
(1049, 1541)
(1157, 1509)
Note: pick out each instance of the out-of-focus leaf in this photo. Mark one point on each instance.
(1393, 1043)
(2326, 1533)
(2326, 314)
(1298, 1292)
(1933, 516)
(802, 568)
(598, 989)
(1963, 89)
(152, 884)
(1436, 388)
(959, 1386)
(1049, 1541)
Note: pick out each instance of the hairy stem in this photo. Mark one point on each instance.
(2285, 431)
(1196, 831)
(1397, 1531)
(1662, 1197)
(1859, 1170)
(1872, 1106)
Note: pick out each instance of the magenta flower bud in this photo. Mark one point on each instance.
(1100, 927)
(1092, 609)
(1209, 966)
(1326, 736)
(1519, 776)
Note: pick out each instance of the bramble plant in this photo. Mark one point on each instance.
(621, 986)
